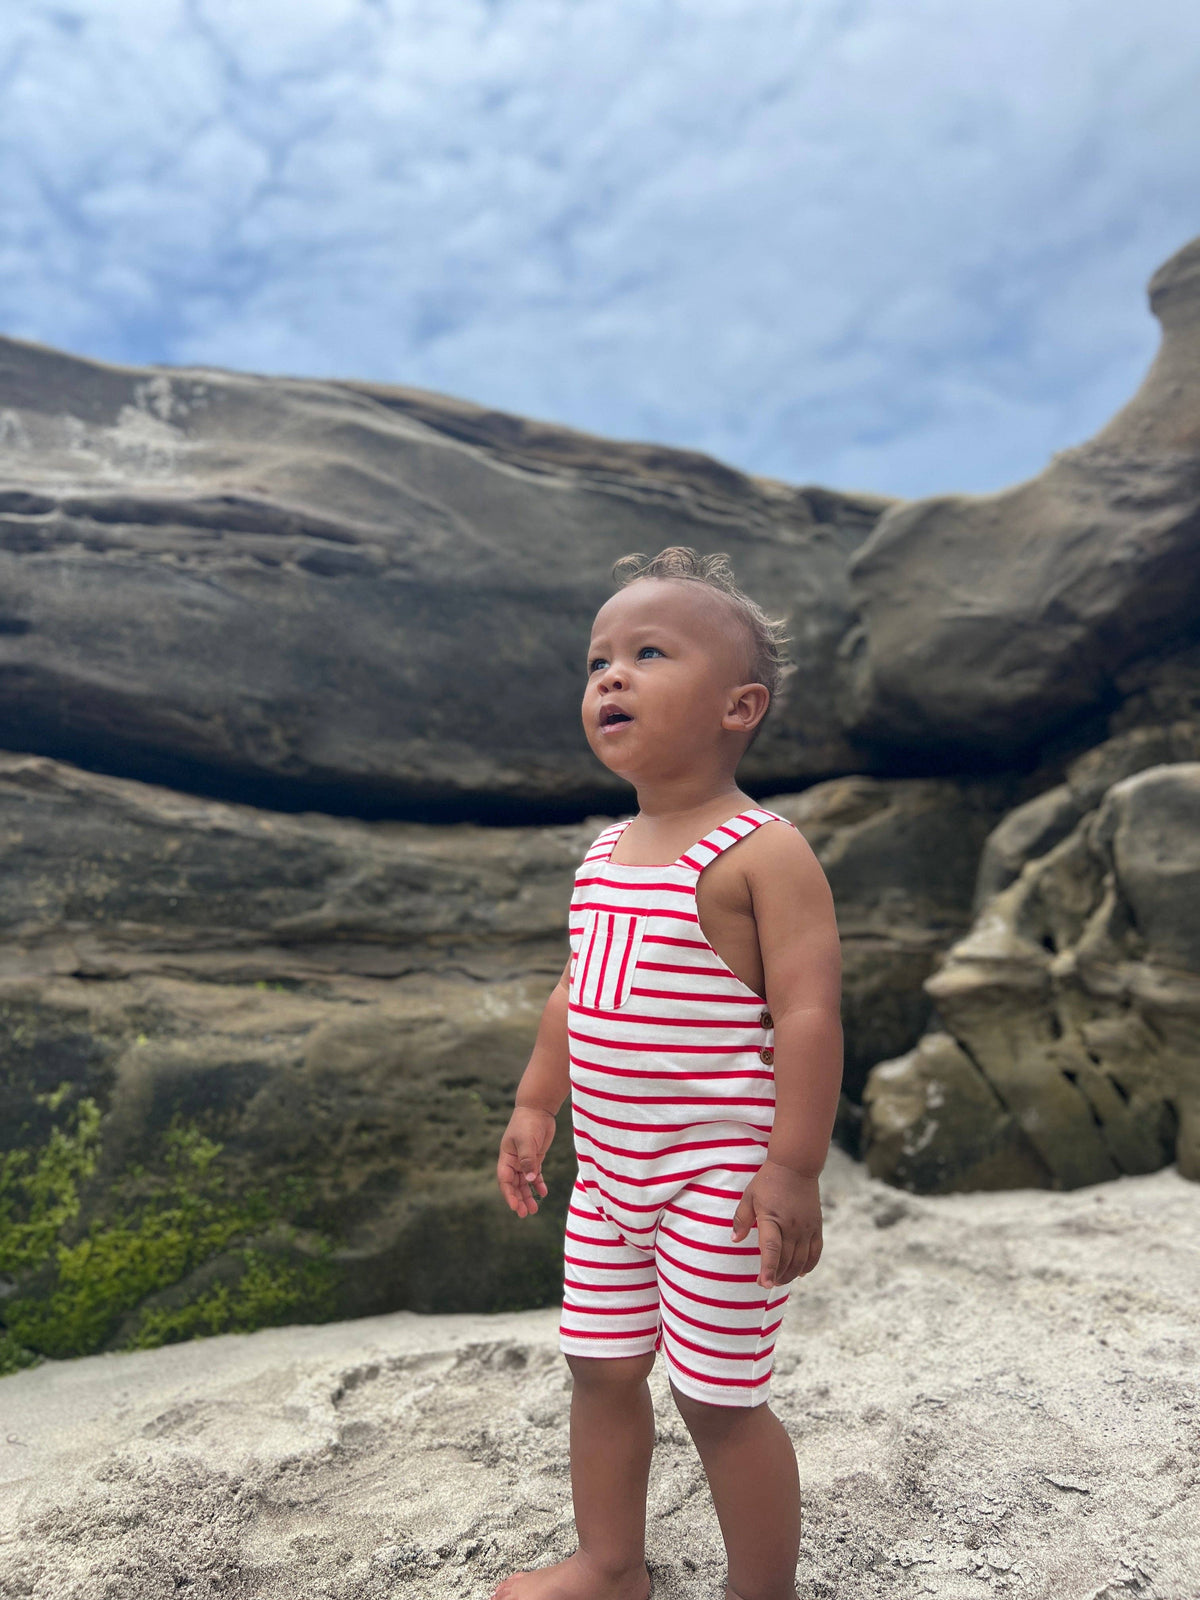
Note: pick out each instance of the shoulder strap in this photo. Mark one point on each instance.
(605, 842)
(726, 834)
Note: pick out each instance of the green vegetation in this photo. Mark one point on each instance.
(154, 1227)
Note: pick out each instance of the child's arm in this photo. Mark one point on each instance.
(798, 939)
(542, 1089)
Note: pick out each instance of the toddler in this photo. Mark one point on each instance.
(697, 1029)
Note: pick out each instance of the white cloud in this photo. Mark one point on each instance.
(838, 241)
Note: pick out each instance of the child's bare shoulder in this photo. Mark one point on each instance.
(781, 843)
(780, 865)
(775, 862)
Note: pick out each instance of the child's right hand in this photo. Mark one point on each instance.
(519, 1170)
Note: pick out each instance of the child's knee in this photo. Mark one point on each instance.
(707, 1419)
(611, 1372)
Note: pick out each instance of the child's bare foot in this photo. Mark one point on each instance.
(576, 1578)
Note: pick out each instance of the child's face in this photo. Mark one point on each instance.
(670, 656)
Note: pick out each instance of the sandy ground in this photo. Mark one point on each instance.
(989, 1394)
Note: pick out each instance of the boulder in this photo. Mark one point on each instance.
(933, 1123)
(360, 598)
(372, 600)
(988, 622)
(1072, 1009)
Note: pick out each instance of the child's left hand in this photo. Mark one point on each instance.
(785, 1206)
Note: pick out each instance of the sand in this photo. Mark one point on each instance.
(989, 1394)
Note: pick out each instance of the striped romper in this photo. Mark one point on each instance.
(672, 1100)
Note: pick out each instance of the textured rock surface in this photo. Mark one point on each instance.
(989, 1395)
(372, 600)
(987, 621)
(1074, 1010)
(362, 599)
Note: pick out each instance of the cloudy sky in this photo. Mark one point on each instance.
(899, 247)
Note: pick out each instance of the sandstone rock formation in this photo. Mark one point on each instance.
(988, 621)
(1072, 1010)
(358, 598)
(372, 600)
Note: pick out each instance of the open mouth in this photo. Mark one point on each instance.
(613, 717)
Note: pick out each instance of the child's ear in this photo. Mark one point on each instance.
(747, 707)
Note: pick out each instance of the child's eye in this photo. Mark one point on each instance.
(646, 647)
(596, 662)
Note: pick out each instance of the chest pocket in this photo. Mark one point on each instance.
(605, 959)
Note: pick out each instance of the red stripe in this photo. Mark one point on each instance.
(656, 938)
(630, 1205)
(698, 1216)
(715, 1327)
(724, 1383)
(699, 972)
(647, 1047)
(641, 1227)
(702, 1272)
(679, 944)
(716, 1074)
(723, 1355)
(715, 1249)
(670, 1149)
(585, 1184)
(625, 960)
(665, 1127)
(666, 1099)
(697, 994)
(667, 1177)
(615, 883)
(721, 1305)
(596, 1333)
(598, 992)
(583, 976)
(660, 1022)
(617, 1311)
(627, 1205)
(607, 1288)
(659, 911)
(586, 1238)
(606, 1266)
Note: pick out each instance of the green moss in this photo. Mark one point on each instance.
(76, 1285)
(268, 1293)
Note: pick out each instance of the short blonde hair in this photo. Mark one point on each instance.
(769, 664)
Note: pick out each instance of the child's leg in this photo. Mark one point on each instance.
(755, 1483)
(612, 1437)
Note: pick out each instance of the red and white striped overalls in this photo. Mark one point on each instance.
(672, 1099)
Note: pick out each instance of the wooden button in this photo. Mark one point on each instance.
(766, 1054)
(766, 1020)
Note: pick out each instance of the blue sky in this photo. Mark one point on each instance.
(899, 247)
